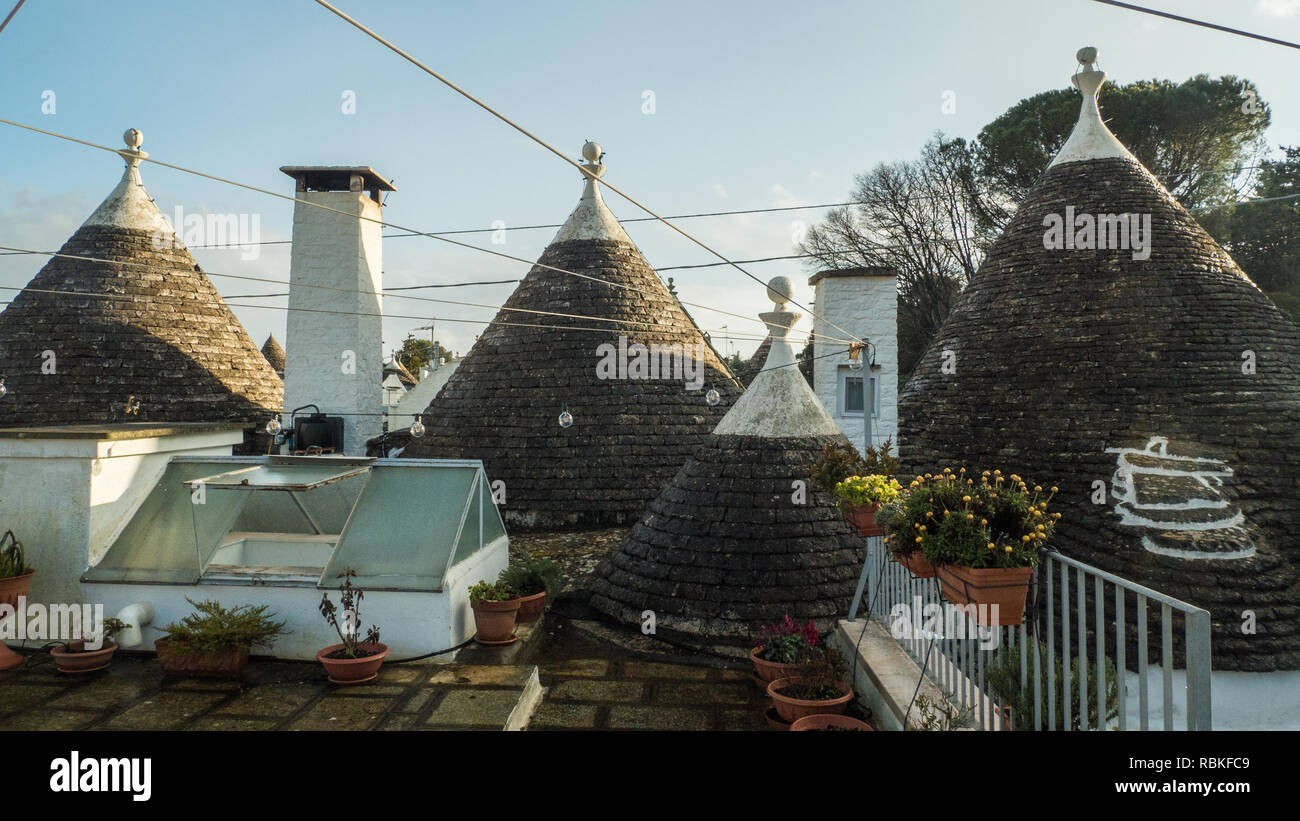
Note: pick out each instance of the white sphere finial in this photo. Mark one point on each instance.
(591, 152)
(780, 290)
(133, 139)
(1086, 55)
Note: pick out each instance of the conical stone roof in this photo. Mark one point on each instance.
(394, 367)
(741, 536)
(144, 329)
(274, 354)
(629, 434)
(1156, 386)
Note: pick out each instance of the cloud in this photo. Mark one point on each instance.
(1278, 8)
(720, 190)
(782, 198)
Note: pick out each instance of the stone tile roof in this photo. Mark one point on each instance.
(741, 536)
(1171, 382)
(629, 436)
(725, 549)
(165, 339)
(274, 353)
(395, 368)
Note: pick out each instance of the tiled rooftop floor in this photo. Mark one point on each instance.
(626, 694)
(133, 695)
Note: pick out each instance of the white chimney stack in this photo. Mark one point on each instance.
(333, 347)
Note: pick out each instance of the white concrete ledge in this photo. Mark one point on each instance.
(884, 675)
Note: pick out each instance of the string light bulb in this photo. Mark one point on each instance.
(856, 359)
(273, 427)
(3, 390)
(417, 427)
(712, 397)
(566, 419)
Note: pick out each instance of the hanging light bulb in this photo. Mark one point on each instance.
(417, 427)
(273, 427)
(3, 389)
(856, 358)
(712, 397)
(566, 419)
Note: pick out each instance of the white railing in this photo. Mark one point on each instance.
(1099, 655)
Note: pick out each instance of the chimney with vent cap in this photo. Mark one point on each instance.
(333, 346)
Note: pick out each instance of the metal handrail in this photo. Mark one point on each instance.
(959, 666)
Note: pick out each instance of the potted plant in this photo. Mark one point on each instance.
(352, 661)
(943, 716)
(814, 687)
(1003, 681)
(778, 648)
(214, 641)
(830, 721)
(903, 549)
(73, 656)
(861, 496)
(495, 606)
(983, 537)
(838, 463)
(533, 580)
(15, 576)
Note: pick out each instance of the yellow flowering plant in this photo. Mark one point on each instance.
(867, 490)
(953, 518)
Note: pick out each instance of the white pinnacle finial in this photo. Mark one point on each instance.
(1090, 139)
(779, 402)
(780, 290)
(129, 205)
(779, 321)
(591, 219)
(593, 154)
(132, 153)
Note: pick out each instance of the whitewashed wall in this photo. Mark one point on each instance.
(67, 498)
(866, 305)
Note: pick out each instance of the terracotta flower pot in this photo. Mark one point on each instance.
(916, 564)
(775, 721)
(531, 608)
(828, 721)
(863, 519)
(1006, 588)
(769, 671)
(494, 621)
(84, 661)
(228, 663)
(793, 709)
(11, 589)
(353, 671)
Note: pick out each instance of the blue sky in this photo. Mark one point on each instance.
(757, 105)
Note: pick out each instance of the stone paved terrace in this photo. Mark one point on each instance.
(591, 685)
(627, 694)
(274, 695)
